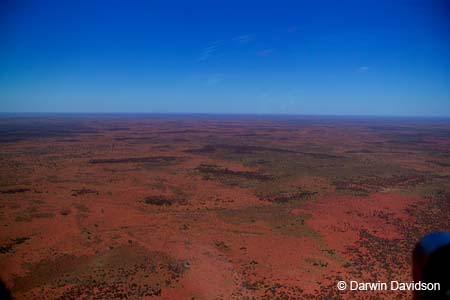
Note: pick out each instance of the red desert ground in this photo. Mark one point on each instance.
(216, 207)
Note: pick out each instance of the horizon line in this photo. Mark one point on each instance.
(226, 114)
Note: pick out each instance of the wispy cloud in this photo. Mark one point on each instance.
(264, 52)
(210, 51)
(219, 48)
(244, 39)
(363, 69)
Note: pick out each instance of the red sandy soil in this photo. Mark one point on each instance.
(152, 207)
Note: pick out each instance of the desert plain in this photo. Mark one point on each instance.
(216, 207)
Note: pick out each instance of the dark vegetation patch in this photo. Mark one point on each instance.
(30, 217)
(417, 134)
(320, 155)
(69, 141)
(278, 217)
(33, 128)
(9, 246)
(149, 159)
(221, 246)
(213, 172)
(285, 197)
(43, 215)
(265, 288)
(417, 139)
(261, 162)
(365, 186)
(439, 163)
(287, 165)
(33, 212)
(65, 211)
(407, 142)
(320, 264)
(83, 192)
(255, 135)
(432, 215)
(246, 149)
(184, 131)
(360, 151)
(270, 290)
(179, 140)
(159, 183)
(118, 129)
(208, 149)
(14, 191)
(149, 138)
(162, 200)
(81, 207)
(238, 149)
(382, 128)
(379, 255)
(392, 255)
(253, 285)
(283, 291)
(123, 272)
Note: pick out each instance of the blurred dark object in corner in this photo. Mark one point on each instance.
(431, 264)
(5, 294)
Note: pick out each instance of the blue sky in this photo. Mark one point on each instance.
(361, 57)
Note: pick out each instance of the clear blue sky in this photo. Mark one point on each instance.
(361, 57)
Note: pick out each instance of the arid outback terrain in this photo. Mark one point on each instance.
(216, 207)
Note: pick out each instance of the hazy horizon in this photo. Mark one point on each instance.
(231, 115)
